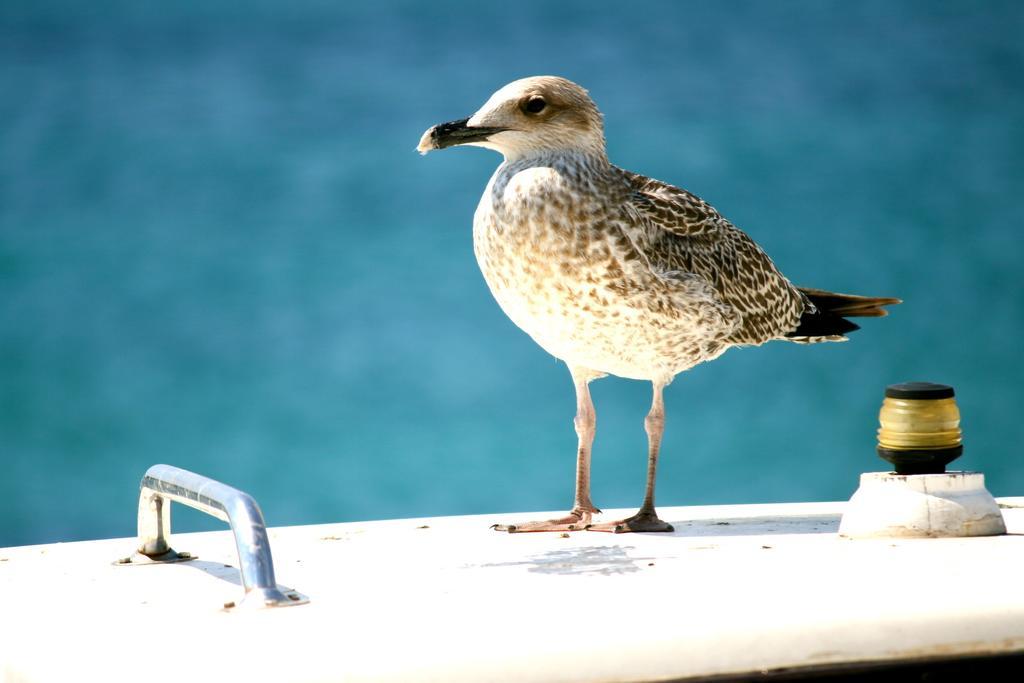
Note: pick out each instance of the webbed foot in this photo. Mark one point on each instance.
(643, 521)
(577, 520)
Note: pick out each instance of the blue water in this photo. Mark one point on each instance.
(219, 250)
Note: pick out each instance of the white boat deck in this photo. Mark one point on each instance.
(734, 589)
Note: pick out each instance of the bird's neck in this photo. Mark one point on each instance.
(573, 162)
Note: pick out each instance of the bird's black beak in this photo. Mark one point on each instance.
(454, 133)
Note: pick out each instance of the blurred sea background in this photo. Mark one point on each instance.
(219, 250)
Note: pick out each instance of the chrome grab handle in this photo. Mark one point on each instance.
(164, 483)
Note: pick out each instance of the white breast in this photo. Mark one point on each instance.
(551, 260)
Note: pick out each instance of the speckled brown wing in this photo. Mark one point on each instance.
(682, 232)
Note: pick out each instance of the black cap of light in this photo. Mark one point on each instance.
(919, 390)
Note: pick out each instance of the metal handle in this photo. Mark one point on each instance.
(164, 483)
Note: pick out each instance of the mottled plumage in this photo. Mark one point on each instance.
(616, 273)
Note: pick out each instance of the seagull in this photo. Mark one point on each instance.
(618, 274)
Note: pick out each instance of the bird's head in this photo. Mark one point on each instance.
(529, 116)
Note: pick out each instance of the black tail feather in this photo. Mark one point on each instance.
(826, 319)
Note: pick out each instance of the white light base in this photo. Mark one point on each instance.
(922, 505)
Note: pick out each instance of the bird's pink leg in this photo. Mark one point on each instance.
(646, 519)
(582, 508)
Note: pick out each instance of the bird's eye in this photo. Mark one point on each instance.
(535, 105)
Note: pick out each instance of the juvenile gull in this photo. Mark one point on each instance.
(615, 273)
